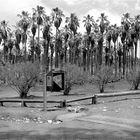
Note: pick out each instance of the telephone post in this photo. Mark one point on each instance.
(45, 90)
(46, 68)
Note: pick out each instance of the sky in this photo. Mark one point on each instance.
(112, 8)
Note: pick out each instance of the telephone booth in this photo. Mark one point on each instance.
(55, 80)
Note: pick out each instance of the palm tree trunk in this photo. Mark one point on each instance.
(75, 55)
(5, 52)
(101, 50)
(38, 40)
(127, 61)
(124, 58)
(70, 55)
(136, 52)
(61, 62)
(107, 54)
(32, 54)
(38, 35)
(119, 63)
(88, 54)
(95, 60)
(115, 59)
(99, 53)
(84, 59)
(25, 52)
(56, 52)
(51, 60)
(47, 56)
(10, 56)
(46, 50)
(88, 59)
(132, 56)
(73, 52)
(129, 55)
(91, 62)
(65, 52)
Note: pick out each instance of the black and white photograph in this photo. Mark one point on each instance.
(69, 69)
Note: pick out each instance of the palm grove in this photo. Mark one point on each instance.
(102, 45)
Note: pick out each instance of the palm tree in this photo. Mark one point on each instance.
(124, 37)
(73, 24)
(60, 49)
(18, 36)
(133, 40)
(92, 42)
(84, 52)
(4, 34)
(33, 30)
(57, 15)
(52, 53)
(103, 25)
(24, 24)
(39, 13)
(88, 22)
(137, 32)
(39, 16)
(95, 37)
(66, 34)
(47, 37)
(10, 44)
(78, 39)
(71, 44)
(99, 50)
(130, 50)
(115, 34)
(120, 53)
(108, 47)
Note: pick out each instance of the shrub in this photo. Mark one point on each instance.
(103, 77)
(22, 76)
(133, 78)
(74, 76)
(2, 76)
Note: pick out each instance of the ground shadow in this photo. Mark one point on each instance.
(29, 97)
(71, 94)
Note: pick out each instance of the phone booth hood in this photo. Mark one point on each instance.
(55, 80)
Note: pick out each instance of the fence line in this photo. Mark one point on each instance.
(64, 103)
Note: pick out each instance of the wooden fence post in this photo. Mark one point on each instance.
(63, 104)
(1, 103)
(94, 99)
(23, 104)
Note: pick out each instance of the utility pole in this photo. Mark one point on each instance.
(45, 91)
(45, 79)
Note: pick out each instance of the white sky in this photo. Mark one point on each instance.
(112, 8)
